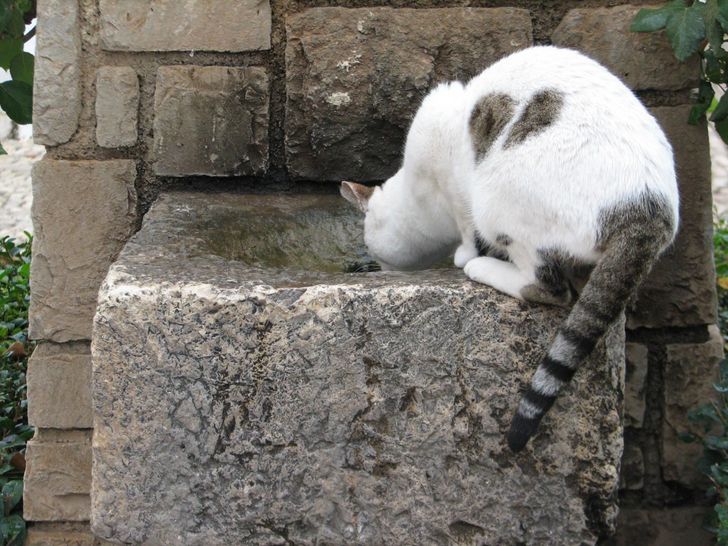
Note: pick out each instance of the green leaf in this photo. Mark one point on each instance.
(13, 527)
(687, 437)
(685, 30)
(12, 494)
(8, 50)
(15, 25)
(722, 16)
(21, 68)
(705, 99)
(721, 112)
(16, 98)
(2, 150)
(722, 128)
(5, 10)
(650, 20)
(716, 442)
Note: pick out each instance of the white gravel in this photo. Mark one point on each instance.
(15, 192)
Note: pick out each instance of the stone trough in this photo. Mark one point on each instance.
(248, 389)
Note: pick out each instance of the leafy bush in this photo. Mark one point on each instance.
(699, 27)
(14, 351)
(16, 94)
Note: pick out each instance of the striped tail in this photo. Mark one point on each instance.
(631, 239)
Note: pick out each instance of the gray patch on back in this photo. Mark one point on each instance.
(503, 239)
(490, 116)
(541, 112)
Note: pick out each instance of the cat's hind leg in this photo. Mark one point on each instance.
(547, 284)
(503, 276)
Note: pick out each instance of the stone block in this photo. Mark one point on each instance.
(58, 477)
(117, 104)
(59, 386)
(690, 371)
(662, 527)
(211, 120)
(60, 534)
(641, 60)
(249, 391)
(680, 291)
(355, 77)
(165, 25)
(634, 385)
(57, 80)
(83, 213)
(632, 471)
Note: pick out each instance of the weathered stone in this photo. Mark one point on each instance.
(355, 78)
(117, 102)
(211, 120)
(643, 60)
(83, 213)
(59, 386)
(680, 291)
(632, 471)
(165, 25)
(57, 477)
(662, 527)
(57, 80)
(634, 385)
(690, 372)
(242, 398)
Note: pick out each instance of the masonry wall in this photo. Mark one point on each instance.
(293, 95)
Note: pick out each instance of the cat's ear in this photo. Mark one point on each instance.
(357, 194)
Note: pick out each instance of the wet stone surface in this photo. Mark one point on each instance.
(240, 398)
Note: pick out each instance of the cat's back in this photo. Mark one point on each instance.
(545, 116)
(525, 72)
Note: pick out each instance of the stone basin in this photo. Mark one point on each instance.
(249, 390)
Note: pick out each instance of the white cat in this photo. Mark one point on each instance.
(550, 181)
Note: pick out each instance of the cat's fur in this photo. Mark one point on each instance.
(548, 164)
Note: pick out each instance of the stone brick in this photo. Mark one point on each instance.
(211, 120)
(355, 78)
(117, 103)
(57, 81)
(59, 386)
(58, 477)
(632, 471)
(690, 371)
(662, 527)
(83, 213)
(60, 534)
(164, 25)
(680, 291)
(641, 60)
(634, 394)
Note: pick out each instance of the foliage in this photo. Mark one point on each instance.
(712, 418)
(700, 27)
(14, 351)
(16, 94)
(720, 251)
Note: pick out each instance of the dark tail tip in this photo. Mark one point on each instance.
(522, 428)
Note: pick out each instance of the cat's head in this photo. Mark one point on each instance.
(392, 226)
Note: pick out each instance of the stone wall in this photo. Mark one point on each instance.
(132, 97)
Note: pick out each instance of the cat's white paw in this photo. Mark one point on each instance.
(478, 269)
(464, 254)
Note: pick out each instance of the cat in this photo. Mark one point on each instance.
(550, 181)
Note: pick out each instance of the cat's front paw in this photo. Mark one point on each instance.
(464, 254)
